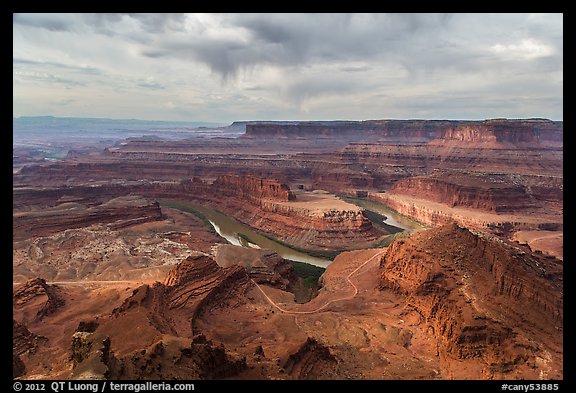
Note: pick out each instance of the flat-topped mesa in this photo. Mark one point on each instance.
(504, 132)
(397, 130)
(254, 188)
(316, 220)
(493, 131)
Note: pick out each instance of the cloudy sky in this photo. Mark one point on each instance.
(226, 67)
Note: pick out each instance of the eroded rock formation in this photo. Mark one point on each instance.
(263, 266)
(500, 132)
(23, 340)
(481, 298)
(165, 314)
(253, 189)
(494, 192)
(453, 303)
(169, 358)
(39, 298)
(91, 357)
(118, 212)
(311, 361)
(264, 204)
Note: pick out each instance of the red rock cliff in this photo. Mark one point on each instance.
(481, 298)
(253, 188)
(530, 132)
(118, 212)
(399, 130)
(496, 193)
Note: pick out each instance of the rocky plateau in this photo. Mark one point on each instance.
(112, 280)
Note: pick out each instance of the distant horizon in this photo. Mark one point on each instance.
(280, 120)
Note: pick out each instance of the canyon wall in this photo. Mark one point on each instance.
(263, 204)
(481, 298)
(495, 166)
(436, 214)
(117, 212)
(494, 193)
(271, 207)
(500, 132)
(515, 131)
(373, 155)
(253, 189)
(405, 130)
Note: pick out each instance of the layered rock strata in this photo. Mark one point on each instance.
(170, 358)
(264, 204)
(501, 130)
(23, 340)
(311, 361)
(495, 166)
(496, 193)
(481, 298)
(165, 314)
(253, 189)
(39, 298)
(520, 146)
(312, 222)
(119, 212)
(195, 283)
(263, 266)
(437, 214)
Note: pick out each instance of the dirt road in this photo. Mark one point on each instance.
(324, 306)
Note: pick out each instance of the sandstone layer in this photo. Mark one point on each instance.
(118, 212)
(434, 214)
(123, 289)
(495, 193)
(498, 165)
(263, 266)
(312, 221)
(481, 298)
(433, 310)
(315, 221)
(39, 298)
(495, 130)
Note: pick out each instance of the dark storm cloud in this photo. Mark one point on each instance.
(223, 56)
(288, 65)
(298, 39)
(52, 22)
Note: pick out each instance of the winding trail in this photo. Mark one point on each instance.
(327, 303)
(272, 302)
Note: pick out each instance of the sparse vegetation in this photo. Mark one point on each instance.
(387, 240)
(327, 254)
(378, 220)
(309, 273)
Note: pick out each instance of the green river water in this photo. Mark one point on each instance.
(241, 234)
